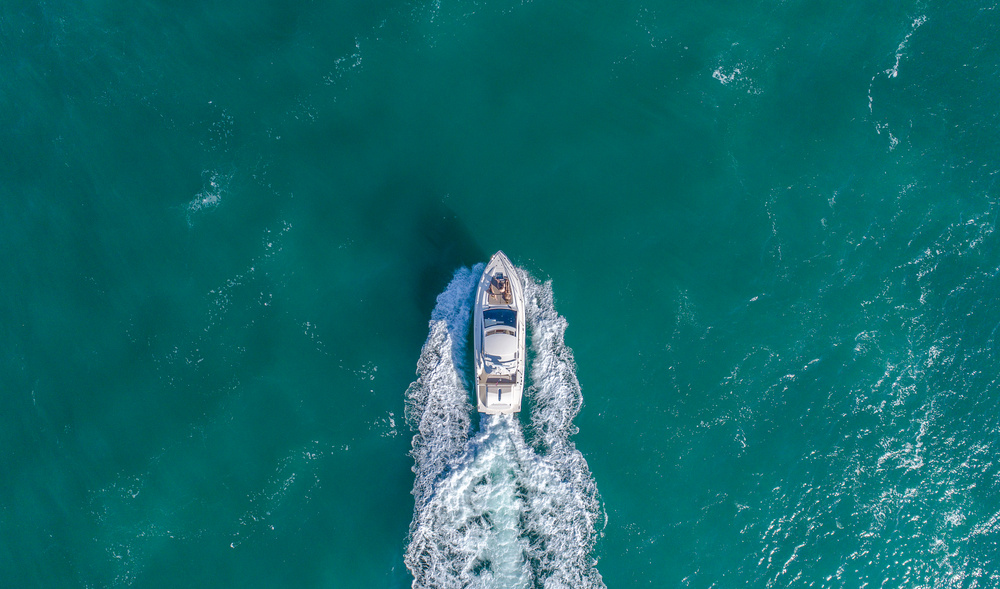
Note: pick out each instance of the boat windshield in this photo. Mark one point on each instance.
(493, 317)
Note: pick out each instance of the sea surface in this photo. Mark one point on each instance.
(238, 242)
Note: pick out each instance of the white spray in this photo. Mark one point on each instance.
(491, 510)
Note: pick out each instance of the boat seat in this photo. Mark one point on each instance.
(499, 291)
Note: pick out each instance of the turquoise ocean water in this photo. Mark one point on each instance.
(238, 241)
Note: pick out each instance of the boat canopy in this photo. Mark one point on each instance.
(501, 345)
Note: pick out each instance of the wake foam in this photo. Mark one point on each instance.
(492, 510)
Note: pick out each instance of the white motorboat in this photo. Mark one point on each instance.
(499, 338)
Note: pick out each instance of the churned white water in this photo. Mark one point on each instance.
(491, 509)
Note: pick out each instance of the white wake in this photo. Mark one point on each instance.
(492, 510)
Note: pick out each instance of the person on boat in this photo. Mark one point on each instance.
(499, 287)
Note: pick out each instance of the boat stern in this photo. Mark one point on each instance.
(499, 398)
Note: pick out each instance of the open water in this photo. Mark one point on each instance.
(238, 241)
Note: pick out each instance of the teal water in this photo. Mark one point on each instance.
(229, 231)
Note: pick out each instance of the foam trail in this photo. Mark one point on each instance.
(437, 405)
(490, 509)
(563, 504)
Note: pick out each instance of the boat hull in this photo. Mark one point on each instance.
(499, 336)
